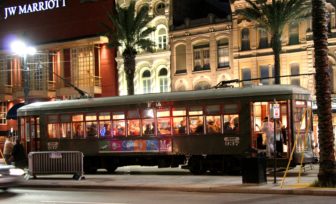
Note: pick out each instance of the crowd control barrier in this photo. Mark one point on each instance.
(56, 162)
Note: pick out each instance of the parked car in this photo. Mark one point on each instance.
(10, 176)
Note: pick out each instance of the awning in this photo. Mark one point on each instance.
(12, 113)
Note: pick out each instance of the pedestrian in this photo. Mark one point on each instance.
(8, 148)
(268, 129)
(19, 155)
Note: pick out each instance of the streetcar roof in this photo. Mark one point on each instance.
(268, 90)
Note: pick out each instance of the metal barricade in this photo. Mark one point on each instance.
(56, 162)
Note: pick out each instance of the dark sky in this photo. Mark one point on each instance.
(195, 9)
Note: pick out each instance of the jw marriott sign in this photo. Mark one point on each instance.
(33, 7)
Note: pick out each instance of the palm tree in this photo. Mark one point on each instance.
(273, 17)
(327, 171)
(128, 30)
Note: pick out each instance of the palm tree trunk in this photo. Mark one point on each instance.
(129, 63)
(327, 172)
(276, 47)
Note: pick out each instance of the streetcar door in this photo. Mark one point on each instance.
(30, 132)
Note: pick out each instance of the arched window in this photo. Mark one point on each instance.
(295, 70)
(263, 38)
(293, 33)
(202, 85)
(180, 59)
(146, 81)
(265, 72)
(162, 39)
(245, 39)
(160, 8)
(163, 80)
(223, 53)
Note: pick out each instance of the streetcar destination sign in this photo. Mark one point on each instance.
(33, 7)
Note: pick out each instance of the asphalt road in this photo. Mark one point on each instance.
(85, 196)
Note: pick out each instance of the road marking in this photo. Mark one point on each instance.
(74, 202)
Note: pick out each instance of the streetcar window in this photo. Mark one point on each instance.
(52, 130)
(148, 113)
(230, 123)
(118, 116)
(105, 129)
(213, 124)
(52, 126)
(65, 118)
(148, 127)
(133, 127)
(230, 108)
(65, 130)
(119, 128)
(104, 116)
(133, 114)
(164, 126)
(213, 110)
(179, 123)
(78, 130)
(163, 112)
(196, 121)
(197, 110)
(91, 129)
(76, 118)
(90, 117)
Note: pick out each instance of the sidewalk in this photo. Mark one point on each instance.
(152, 178)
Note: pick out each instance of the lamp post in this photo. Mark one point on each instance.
(21, 49)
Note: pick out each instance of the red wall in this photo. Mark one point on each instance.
(75, 20)
(108, 71)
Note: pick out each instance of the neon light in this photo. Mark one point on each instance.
(33, 7)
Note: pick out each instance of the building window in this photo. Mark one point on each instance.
(246, 75)
(180, 59)
(223, 53)
(146, 81)
(295, 70)
(201, 57)
(293, 33)
(160, 8)
(39, 71)
(163, 79)
(82, 65)
(162, 39)
(245, 39)
(263, 38)
(265, 72)
(5, 76)
(3, 113)
(202, 85)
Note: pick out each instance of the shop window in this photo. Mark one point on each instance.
(201, 57)
(245, 39)
(223, 53)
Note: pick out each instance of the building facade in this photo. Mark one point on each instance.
(152, 74)
(71, 53)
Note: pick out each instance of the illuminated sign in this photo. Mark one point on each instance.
(33, 7)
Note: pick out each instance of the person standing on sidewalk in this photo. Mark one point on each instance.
(8, 148)
(19, 155)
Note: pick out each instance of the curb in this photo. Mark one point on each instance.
(206, 189)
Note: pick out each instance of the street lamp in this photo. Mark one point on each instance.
(21, 49)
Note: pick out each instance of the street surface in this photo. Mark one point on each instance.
(87, 196)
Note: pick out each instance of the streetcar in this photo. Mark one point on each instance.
(204, 130)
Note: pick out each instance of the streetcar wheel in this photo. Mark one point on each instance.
(196, 166)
